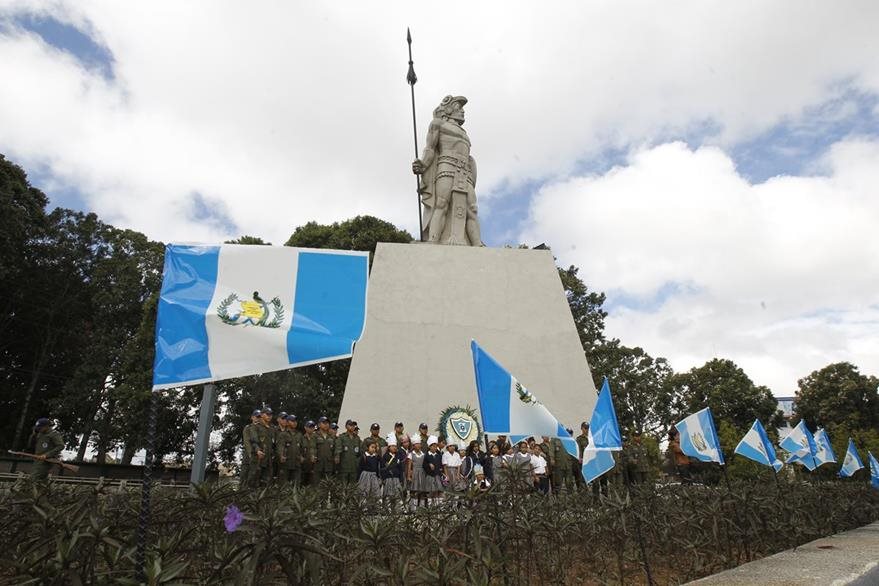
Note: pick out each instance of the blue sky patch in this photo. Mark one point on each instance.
(212, 211)
(620, 299)
(66, 37)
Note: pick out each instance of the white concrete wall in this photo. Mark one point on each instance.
(425, 304)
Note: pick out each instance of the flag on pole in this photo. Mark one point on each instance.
(509, 408)
(756, 446)
(874, 470)
(234, 310)
(852, 461)
(699, 437)
(801, 445)
(604, 437)
(823, 450)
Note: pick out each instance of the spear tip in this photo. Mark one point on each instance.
(408, 36)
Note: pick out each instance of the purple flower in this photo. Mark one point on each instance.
(233, 518)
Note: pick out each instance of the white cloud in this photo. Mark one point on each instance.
(782, 277)
(290, 112)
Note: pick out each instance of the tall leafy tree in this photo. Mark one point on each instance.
(838, 395)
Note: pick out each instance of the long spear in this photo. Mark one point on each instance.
(411, 78)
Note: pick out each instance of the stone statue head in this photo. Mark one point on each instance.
(452, 107)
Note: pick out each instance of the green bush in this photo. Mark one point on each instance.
(330, 535)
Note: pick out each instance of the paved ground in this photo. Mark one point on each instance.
(850, 558)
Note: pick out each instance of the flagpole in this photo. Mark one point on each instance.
(411, 79)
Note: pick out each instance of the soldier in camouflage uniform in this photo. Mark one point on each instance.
(309, 453)
(280, 425)
(560, 466)
(582, 442)
(248, 451)
(261, 471)
(637, 463)
(291, 446)
(46, 444)
(374, 437)
(324, 447)
(348, 453)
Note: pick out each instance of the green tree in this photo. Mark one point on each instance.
(723, 386)
(838, 395)
(586, 309)
(359, 233)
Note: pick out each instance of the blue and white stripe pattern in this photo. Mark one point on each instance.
(509, 408)
(801, 445)
(823, 450)
(852, 461)
(874, 470)
(699, 437)
(234, 310)
(604, 437)
(756, 446)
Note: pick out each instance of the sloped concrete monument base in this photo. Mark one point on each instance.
(426, 302)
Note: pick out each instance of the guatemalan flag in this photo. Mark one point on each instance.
(852, 461)
(756, 446)
(508, 408)
(604, 437)
(801, 445)
(699, 437)
(823, 450)
(234, 310)
(874, 470)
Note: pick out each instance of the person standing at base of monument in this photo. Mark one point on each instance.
(419, 488)
(492, 462)
(294, 449)
(391, 471)
(433, 469)
(309, 448)
(637, 464)
(452, 467)
(472, 457)
(422, 432)
(447, 178)
(582, 442)
(374, 436)
(348, 453)
(680, 462)
(249, 447)
(368, 481)
(46, 444)
(279, 426)
(538, 464)
(399, 432)
(324, 452)
(262, 472)
(503, 444)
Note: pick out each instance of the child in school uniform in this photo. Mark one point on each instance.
(391, 470)
(433, 468)
(452, 466)
(369, 482)
(419, 488)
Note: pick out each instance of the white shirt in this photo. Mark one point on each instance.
(451, 459)
(538, 463)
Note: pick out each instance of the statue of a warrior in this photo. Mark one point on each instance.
(448, 178)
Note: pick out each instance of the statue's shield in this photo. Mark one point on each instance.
(462, 427)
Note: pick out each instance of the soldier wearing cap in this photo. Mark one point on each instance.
(291, 446)
(374, 437)
(582, 442)
(398, 432)
(262, 473)
(637, 462)
(560, 465)
(47, 444)
(309, 453)
(249, 449)
(324, 447)
(279, 426)
(422, 431)
(334, 429)
(348, 453)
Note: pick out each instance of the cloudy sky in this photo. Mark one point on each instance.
(711, 166)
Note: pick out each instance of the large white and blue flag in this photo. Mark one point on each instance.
(699, 437)
(604, 437)
(801, 445)
(508, 408)
(874, 470)
(756, 446)
(852, 461)
(823, 450)
(234, 310)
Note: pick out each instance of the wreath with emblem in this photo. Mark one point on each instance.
(275, 305)
(448, 412)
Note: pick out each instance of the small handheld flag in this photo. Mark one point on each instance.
(852, 461)
(604, 437)
(756, 446)
(699, 437)
(823, 450)
(506, 406)
(874, 470)
(233, 310)
(801, 445)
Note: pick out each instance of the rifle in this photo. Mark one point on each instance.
(64, 465)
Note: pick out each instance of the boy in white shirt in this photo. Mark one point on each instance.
(452, 466)
(538, 464)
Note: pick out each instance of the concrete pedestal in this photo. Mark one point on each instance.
(426, 302)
